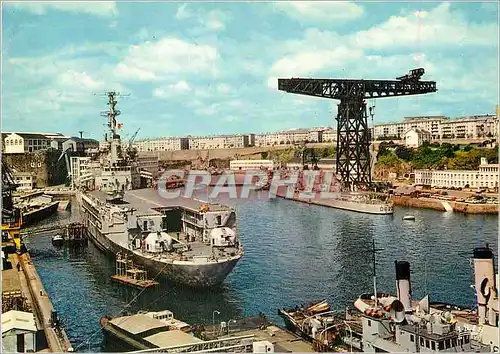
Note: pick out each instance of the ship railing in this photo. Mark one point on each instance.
(215, 345)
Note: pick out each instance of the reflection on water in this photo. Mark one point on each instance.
(294, 253)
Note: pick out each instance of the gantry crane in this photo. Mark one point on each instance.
(353, 136)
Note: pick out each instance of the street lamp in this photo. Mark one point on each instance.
(213, 318)
(228, 322)
(350, 330)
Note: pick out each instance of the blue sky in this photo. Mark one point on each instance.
(210, 68)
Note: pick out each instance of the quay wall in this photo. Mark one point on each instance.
(57, 339)
(436, 204)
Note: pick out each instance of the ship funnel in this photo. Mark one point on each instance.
(403, 285)
(397, 311)
(423, 305)
(484, 276)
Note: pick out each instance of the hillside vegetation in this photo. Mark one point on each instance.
(434, 157)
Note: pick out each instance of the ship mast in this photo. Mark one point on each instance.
(112, 113)
(374, 251)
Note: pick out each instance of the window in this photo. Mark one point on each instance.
(433, 345)
(447, 344)
(421, 341)
(412, 338)
(427, 344)
(369, 323)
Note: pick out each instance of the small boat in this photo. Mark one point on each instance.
(409, 217)
(315, 323)
(57, 240)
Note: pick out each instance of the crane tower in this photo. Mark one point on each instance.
(353, 136)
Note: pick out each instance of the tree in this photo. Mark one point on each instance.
(382, 151)
(467, 148)
(403, 153)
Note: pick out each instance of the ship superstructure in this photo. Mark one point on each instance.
(183, 240)
(399, 324)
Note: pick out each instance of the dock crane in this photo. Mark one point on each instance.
(353, 135)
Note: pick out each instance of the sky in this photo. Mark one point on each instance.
(212, 68)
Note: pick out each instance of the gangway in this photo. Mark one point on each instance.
(242, 344)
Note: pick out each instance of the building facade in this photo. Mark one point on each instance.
(79, 145)
(219, 142)
(163, 144)
(20, 143)
(441, 127)
(25, 180)
(415, 137)
(78, 165)
(485, 177)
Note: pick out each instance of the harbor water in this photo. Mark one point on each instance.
(294, 253)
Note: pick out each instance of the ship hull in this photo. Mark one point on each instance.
(40, 214)
(183, 272)
(379, 209)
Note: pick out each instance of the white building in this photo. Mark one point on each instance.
(219, 142)
(163, 144)
(415, 137)
(18, 332)
(486, 177)
(252, 164)
(329, 135)
(25, 180)
(19, 143)
(441, 127)
(79, 170)
(79, 144)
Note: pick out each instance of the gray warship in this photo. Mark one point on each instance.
(184, 240)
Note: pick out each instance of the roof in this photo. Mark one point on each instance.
(10, 280)
(137, 324)
(18, 320)
(172, 338)
(83, 140)
(30, 136)
(418, 130)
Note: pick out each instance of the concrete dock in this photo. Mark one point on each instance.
(260, 329)
(27, 281)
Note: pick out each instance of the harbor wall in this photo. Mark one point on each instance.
(436, 204)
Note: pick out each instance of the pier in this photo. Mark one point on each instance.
(22, 290)
(129, 274)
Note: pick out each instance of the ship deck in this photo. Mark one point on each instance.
(147, 199)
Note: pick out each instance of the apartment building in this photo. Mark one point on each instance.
(329, 135)
(441, 127)
(485, 177)
(219, 142)
(163, 144)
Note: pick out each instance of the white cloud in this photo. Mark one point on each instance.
(310, 62)
(103, 9)
(437, 27)
(168, 56)
(215, 20)
(183, 12)
(223, 88)
(80, 79)
(178, 88)
(320, 10)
